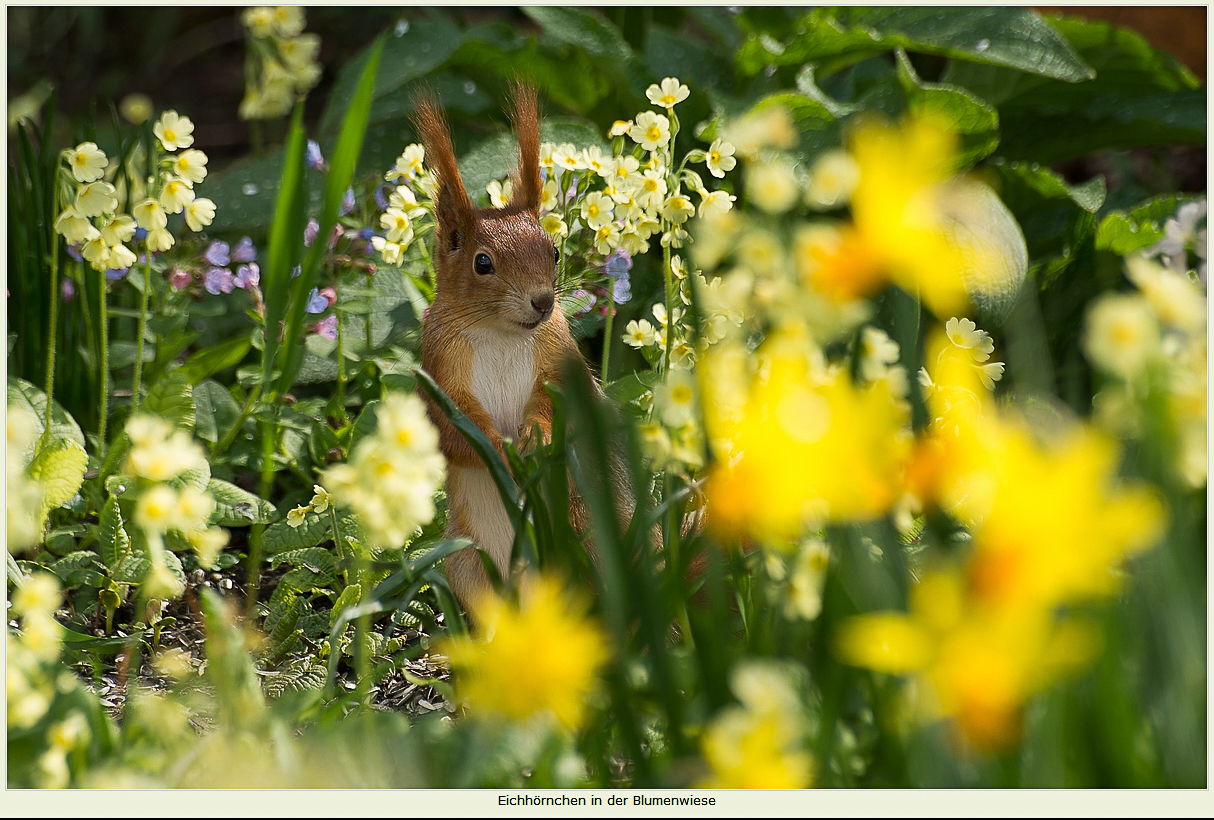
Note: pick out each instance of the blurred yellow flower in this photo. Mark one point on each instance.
(1122, 334)
(813, 446)
(540, 656)
(758, 744)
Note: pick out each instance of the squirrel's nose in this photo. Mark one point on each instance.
(543, 302)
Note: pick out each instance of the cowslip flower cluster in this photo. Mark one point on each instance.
(392, 475)
(760, 743)
(282, 61)
(407, 207)
(96, 221)
(160, 458)
(1153, 339)
(539, 657)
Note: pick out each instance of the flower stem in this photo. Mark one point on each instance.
(666, 271)
(607, 336)
(104, 412)
(342, 377)
(54, 321)
(143, 324)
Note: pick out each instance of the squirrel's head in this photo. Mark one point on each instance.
(495, 266)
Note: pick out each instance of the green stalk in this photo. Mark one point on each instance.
(666, 271)
(607, 336)
(342, 378)
(370, 284)
(269, 443)
(246, 411)
(54, 321)
(105, 365)
(143, 323)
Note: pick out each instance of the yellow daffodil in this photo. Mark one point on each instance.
(542, 656)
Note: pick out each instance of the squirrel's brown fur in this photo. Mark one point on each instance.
(494, 333)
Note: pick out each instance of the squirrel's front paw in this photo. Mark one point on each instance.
(532, 434)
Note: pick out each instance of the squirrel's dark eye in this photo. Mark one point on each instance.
(556, 253)
(482, 264)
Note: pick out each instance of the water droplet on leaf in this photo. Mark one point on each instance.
(249, 189)
(982, 45)
(402, 28)
(469, 87)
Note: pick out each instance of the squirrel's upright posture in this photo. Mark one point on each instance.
(494, 334)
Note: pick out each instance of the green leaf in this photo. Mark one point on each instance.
(172, 399)
(281, 537)
(1004, 36)
(285, 246)
(113, 543)
(342, 163)
(1049, 210)
(60, 468)
(313, 567)
(24, 395)
(411, 56)
(74, 563)
(235, 507)
(213, 359)
(972, 119)
(584, 29)
(215, 411)
(1125, 232)
(1139, 97)
(350, 596)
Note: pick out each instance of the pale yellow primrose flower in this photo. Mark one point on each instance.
(1122, 334)
(118, 230)
(397, 226)
(199, 213)
(651, 131)
(40, 593)
(75, 227)
(408, 164)
(288, 20)
(259, 20)
(159, 239)
(678, 209)
(191, 165)
(390, 251)
(597, 210)
(719, 158)
(87, 162)
(96, 198)
(500, 193)
(966, 335)
(772, 185)
(175, 195)
(300, 52)
(669, 94)
(638, 333)
(320, 499)
(156, 512)
(832, 179)
(149, 215)
(295, 518)
(174, 131)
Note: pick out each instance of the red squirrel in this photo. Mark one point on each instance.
(493, 336)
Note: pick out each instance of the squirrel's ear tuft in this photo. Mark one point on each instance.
(452, 207)
(526, 120)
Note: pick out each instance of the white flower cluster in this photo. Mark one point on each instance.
(400, 221)
(1151, 337)
(94, 220)
(159, 454)
(282, 62)
(392, 475)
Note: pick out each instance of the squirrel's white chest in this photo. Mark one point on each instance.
(503, 375)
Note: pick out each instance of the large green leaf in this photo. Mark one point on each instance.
(1140, 96)
(24, 395)
(1124, 232)
(584, 29)
(971, 118)
(1047, 208)
(211, 360)
(1004, 36)
(235, 507)
(215, 411)
(113, 542)
(59, 467)
(172, 399)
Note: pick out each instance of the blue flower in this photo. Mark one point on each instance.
(316, 302)
(347, 202)
(217, 254)
(247, 276)
(113, 274)
(327, 327)
(74, 252)
(310, 232)
(621, 290)
(244, 251)
(381, 197)
(618, 264)
(218, 280)
(315, 160)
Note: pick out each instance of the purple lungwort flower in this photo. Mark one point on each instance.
(618, 264)
(114, 274)
(315, 160)
(347, 201)
(621, 290)
(316, 302)
(244, 251)
(218, 280)
(141, 234)
(580, 294)
(67, 290)
(180, 279)
(327, 327)
(74, 252)
(329, 294)
(381, 196)
(217, 254)
(247, 276)
(310, 232)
